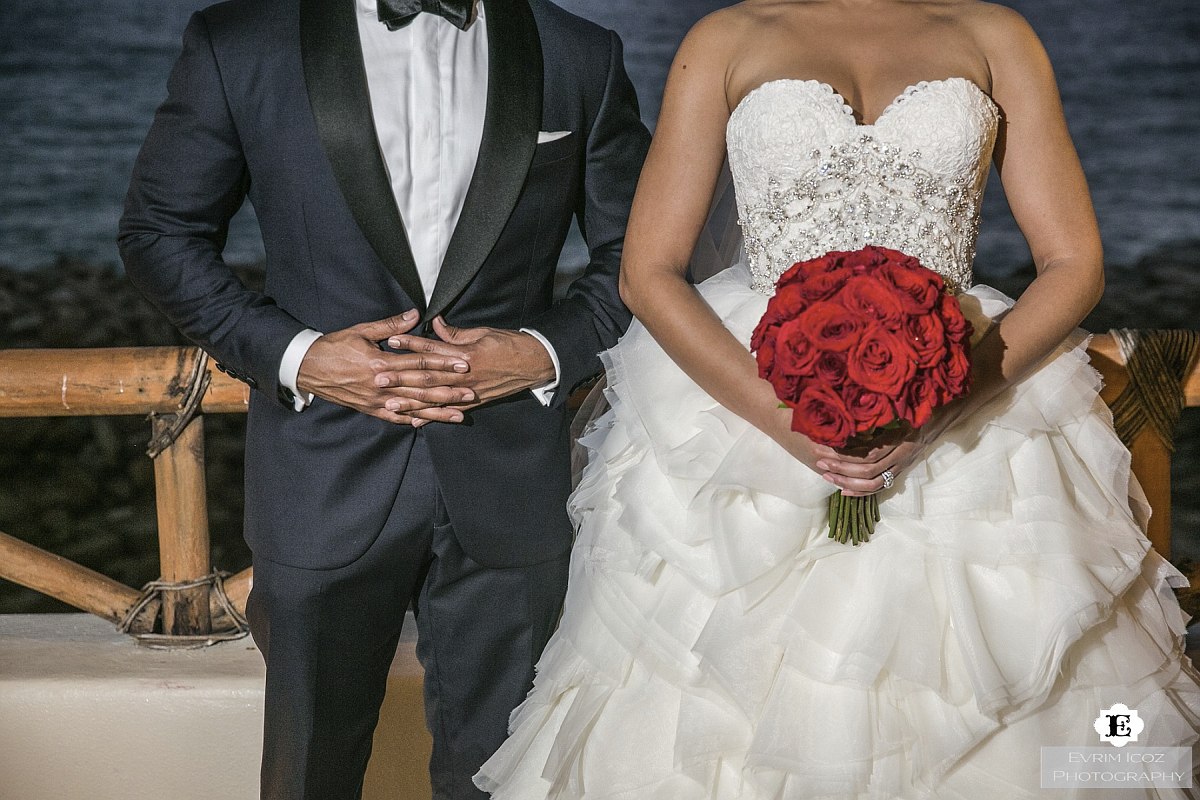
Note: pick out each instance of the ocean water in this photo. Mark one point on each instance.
(80, 81)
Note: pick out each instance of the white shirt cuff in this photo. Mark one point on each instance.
(545, 394)
(289, 366)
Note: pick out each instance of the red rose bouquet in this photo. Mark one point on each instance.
(860, 342)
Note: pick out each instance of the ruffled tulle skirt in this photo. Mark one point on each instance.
(716, 644)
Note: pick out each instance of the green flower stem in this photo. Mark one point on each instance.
(835, 518)
(851, 526)
(843, 517)
(852, 519)
(864, 527)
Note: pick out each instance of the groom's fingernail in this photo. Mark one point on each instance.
(410, 314)
(393, 342)
(460, 366)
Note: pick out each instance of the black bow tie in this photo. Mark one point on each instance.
(399, 13)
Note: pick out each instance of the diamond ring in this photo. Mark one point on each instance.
(889, 478)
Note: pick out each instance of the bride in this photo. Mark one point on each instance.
(715, 643)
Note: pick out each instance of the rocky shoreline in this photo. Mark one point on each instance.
(84, 488)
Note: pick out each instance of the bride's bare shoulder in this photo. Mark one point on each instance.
(718, 43)
(996, 27)
(1015, 55)
(720, 36)
(751, 18)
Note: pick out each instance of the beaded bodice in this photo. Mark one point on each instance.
(809, 179)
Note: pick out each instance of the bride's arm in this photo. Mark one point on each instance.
(1048, 195)
(669, 211)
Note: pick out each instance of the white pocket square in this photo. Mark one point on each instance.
(551, 136)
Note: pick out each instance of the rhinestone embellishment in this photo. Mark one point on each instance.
(862, 192)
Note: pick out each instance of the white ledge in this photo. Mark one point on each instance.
(88, 714)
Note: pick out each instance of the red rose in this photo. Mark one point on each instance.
(830, 326)
(764, 347)
(785, 305)
(789, 301)
(957, 328)
(870, 258)
(764, 333)
(823, 417)
(919, 288)
(819, 283)
(788, 387)
(874, 300)
(794, 351)
(830, 368)
(830, 262)
(882, 362)
(958, 374)
(868, 409)
(927, 336)
(919, 400)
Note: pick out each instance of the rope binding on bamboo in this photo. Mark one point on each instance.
(236, 628)
(1158, 363)
(167, 427)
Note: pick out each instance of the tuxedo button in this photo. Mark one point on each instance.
(233, 373)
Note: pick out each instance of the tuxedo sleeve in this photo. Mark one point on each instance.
(591, 317)
(188, 181)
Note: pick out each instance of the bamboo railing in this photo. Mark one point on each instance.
(158, 380)
(130, 381)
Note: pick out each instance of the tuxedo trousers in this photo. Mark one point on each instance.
(329, 637)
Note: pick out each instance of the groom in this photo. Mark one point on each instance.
(414, 168)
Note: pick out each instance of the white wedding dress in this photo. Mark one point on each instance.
(716, 644)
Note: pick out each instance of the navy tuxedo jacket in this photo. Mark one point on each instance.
(269, 100)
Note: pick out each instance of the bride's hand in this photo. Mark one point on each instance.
(804, 449)
(859, 472)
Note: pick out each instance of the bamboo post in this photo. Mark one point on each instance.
(1152, 467)
(67, 581)
(183, 540)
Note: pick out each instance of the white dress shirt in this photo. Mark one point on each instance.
(428, 86)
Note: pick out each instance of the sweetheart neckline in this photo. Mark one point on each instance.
(848, 109)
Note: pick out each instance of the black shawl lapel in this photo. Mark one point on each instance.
(510, 128)
(341, 104)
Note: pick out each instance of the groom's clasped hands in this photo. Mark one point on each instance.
(428, 380)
